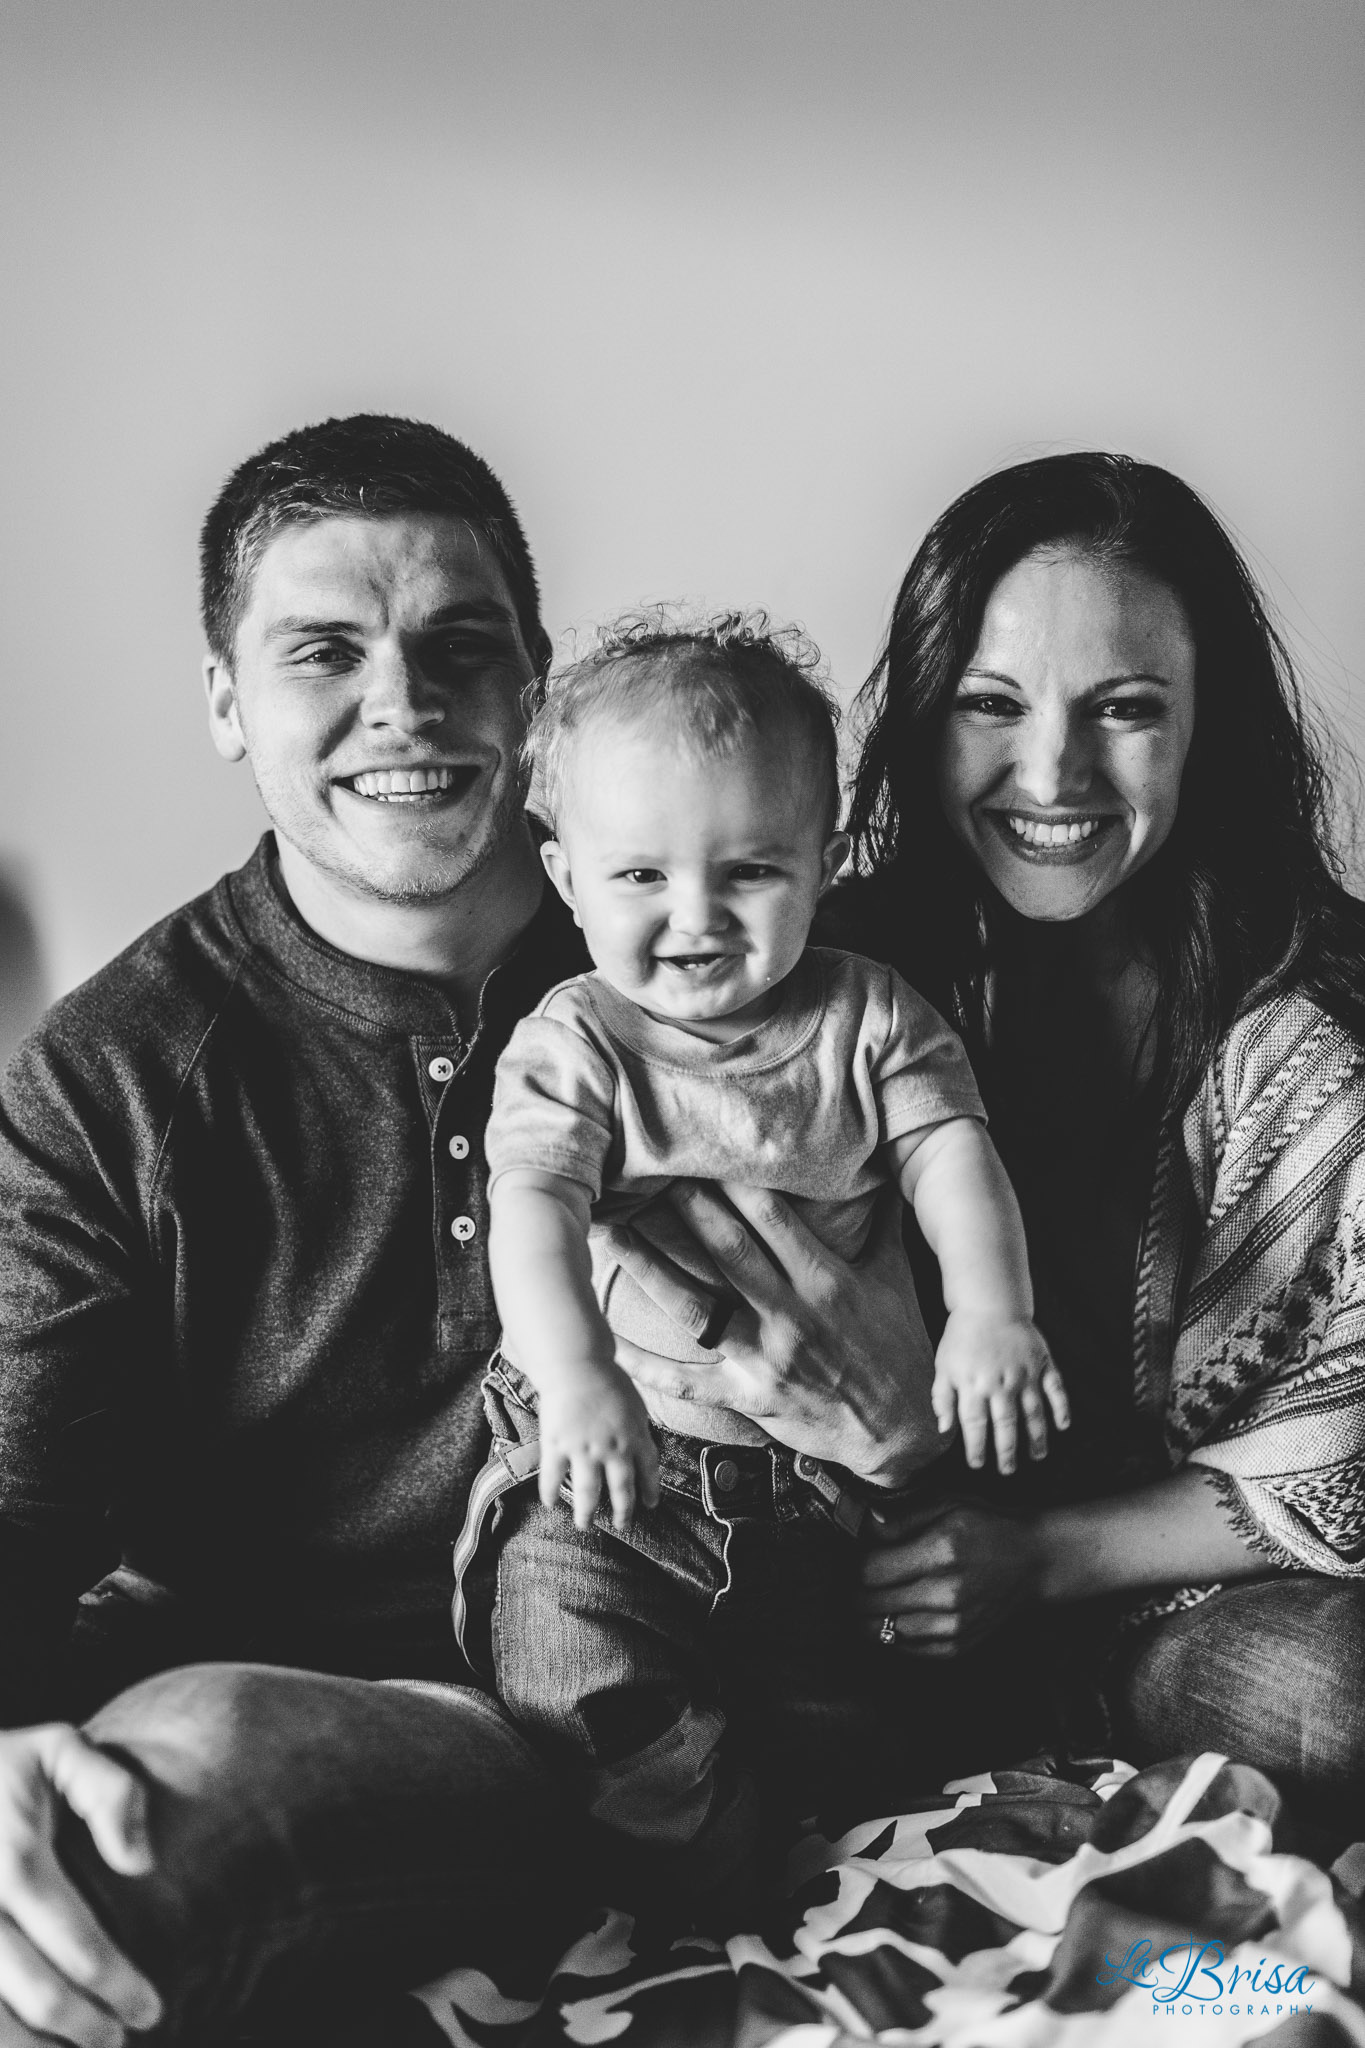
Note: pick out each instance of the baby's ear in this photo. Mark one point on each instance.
(557, 868)
(835, 854)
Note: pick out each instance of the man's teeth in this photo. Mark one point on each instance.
(387, 783)
(1033, 833)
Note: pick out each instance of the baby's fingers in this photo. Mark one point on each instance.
(974, 1420)
(1005, 1428)
(943, 1394)
(1053, 1386)
(587, 1489)
(647, 1473)
(621, 1490)
(1035, 1422)
(554, 1470)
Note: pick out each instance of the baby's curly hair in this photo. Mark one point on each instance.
(717, 679)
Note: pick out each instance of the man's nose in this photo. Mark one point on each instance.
(1054, 760)
(397, 693)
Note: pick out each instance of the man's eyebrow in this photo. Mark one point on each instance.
(470, 612)
(281, 629)
(474, 611)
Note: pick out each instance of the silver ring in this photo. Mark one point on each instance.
(887, 1632)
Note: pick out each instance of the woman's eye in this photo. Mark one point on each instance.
(984, 704)
(1130, 710)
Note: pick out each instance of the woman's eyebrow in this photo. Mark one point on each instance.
(1137, 675)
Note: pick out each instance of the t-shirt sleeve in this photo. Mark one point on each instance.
(553, 1105)
(921, 1073)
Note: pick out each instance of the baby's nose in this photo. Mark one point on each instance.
(695, 910)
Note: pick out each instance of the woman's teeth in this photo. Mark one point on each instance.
(388, 784)
(1033, 833)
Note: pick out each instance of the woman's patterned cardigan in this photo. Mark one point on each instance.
(1250, 1310)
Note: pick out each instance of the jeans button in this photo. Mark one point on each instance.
(806, 1468)
(726, 1475)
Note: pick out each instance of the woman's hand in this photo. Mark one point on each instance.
(61, 1977)
(947, 1576)
(831, 1359)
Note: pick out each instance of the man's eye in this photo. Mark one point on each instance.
(323, 654)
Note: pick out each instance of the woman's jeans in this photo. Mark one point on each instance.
(1272, 1672)
(318, 1838)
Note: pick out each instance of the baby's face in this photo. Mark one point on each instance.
(694, 877)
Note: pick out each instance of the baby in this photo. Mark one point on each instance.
(689, 775)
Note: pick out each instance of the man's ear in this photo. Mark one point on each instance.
(835, 854)
(225, 725)
(557, 868)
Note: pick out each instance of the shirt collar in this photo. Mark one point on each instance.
(385, 998)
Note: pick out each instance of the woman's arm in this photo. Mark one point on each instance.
(949, 1575)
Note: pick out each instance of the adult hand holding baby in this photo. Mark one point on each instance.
(830, 1358)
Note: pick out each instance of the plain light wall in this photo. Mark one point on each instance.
(736, 294)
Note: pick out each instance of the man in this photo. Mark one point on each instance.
(244, 1306)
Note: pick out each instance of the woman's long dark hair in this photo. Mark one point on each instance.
(1244, 899)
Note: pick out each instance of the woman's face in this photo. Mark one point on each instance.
(1061, 760)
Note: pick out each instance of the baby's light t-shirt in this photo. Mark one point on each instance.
(594, 1088)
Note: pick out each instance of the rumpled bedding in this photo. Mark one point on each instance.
(1084, 1904)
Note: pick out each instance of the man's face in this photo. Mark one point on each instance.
(376, 690)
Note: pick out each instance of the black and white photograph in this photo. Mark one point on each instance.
(682, 1024)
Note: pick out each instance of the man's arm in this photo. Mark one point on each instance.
(74, 1322)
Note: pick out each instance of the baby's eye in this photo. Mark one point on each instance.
(754, 871)
(640, 876)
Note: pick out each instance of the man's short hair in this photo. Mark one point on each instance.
(370, 466)
(714, 680)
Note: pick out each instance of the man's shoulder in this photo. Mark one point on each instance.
(149, 1007)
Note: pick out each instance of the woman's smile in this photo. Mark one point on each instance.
(1066, 840)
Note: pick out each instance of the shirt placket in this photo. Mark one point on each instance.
(456, 1113)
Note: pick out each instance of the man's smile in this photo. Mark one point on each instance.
(422, 786)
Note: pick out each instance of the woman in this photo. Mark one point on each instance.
(1093, 830)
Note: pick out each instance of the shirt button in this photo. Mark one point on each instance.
(459, 1148)
(463, 1228)
(441, 1069)
(727, 1475)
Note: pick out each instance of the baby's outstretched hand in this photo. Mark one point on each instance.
(594, 1431)
(988, 1374)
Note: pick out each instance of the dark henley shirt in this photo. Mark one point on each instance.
(244, 1294)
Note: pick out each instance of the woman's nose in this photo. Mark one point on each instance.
(398, 694)
(1053, 761)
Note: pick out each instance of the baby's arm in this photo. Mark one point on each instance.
(593, 1424)
(992, 1363)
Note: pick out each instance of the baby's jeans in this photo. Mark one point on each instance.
(727, 1611)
